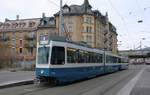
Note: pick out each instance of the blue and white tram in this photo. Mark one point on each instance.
(61, 61)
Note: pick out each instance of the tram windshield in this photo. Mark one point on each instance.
(43, 55)
(58, 56)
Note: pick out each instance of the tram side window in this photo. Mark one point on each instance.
(107, 59)
(58, 56)
(111, 59)
(72, 55)
(99, 58)
(95, 58)
(83, 56)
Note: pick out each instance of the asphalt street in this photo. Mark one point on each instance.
(134, 81)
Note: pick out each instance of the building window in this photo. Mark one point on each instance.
(87, 29)
(13, 35)
(88, 10)
(70, 29)
(13, 43)
(70, 20)
(20, 35)
(87, 19)
(31, 24)
(89, 38)
(82, 28)
(13, 50)
(82, 38)
(5, 36)
(90, 20)
(20, 50)
(66, 10)
(82, 19)
(90, 29)
(98, 28)
(20, 42)
(31, 34)
(30, 51)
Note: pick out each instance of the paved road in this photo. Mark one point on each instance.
(111, 84)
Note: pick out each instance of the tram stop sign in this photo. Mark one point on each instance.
(44, 39)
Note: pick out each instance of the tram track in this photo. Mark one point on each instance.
(106, 86)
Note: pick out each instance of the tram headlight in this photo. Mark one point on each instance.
(42, 71)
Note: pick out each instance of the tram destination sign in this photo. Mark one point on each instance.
(44, 39)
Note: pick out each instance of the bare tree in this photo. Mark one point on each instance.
(5, 59)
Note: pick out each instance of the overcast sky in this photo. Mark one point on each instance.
(124, 14)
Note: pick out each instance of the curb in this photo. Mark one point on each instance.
(17, 83)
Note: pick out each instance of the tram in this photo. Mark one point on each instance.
(62, 61)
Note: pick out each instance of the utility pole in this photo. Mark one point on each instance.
(60, 20)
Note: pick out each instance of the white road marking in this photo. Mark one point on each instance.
(129, 86)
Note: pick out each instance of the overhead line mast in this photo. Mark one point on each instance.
(60, 20)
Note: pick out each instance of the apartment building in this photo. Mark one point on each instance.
(81, 22)
(89, 26)
(20, 35)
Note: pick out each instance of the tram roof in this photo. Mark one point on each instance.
(87, 46)
(75, 43)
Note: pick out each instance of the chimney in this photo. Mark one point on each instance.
(6, 19)
(17, 17)
(43, 15)
(106, 14)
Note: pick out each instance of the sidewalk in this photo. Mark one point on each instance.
(8, 78)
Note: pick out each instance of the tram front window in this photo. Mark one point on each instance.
(43, 55)
(58, 56)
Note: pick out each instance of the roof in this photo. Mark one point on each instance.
(112, 28)
(47, 22)
(77, 9)
(21, 24)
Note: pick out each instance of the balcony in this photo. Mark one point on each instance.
(110, 43)
(110, 36)
(105, 40)
(105, 32)
(29, 37)
(29, 44)
(4, 38)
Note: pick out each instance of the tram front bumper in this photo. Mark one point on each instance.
(42, 72)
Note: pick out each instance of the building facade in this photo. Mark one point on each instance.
(20, 36)
(89, 26)
(81, 23)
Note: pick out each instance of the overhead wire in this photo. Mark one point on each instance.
(67, 1)
(115, 9)
(118, 13)
(121, 17)
(53, 3)
(140, 10)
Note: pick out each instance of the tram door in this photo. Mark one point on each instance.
(58, 55)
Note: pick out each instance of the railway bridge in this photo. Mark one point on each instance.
(137, 56)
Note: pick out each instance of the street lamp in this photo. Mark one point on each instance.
(141, 42)
(141, 48)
